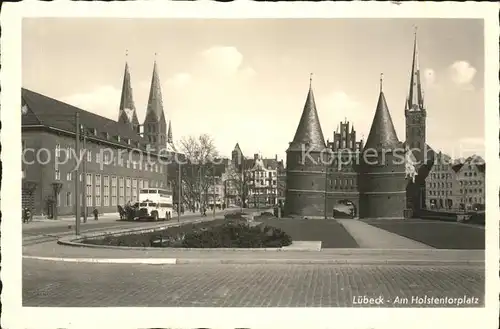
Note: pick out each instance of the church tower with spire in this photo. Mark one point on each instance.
(415, 111)
(382, 182)
(416, 115)
(306, 170)
(155, 125)
(127, 113)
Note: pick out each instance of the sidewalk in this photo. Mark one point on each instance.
(104, 218)
(55, 252)
(368, 236)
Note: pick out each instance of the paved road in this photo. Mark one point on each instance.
(47, 283)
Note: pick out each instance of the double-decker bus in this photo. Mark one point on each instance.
(155, 203)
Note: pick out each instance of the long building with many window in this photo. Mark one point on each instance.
(116, 161)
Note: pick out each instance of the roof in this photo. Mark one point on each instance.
(415, 100)
(472, 160)
(382, 133)
(264, 164)
(127, 105)
(155, 100)
(49, 112)
(309, 132)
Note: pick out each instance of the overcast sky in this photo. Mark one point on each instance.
(246, 81)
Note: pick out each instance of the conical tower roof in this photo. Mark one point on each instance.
(127, 110)
(170, 138)
(309, 132)
(155, 101)
(382, 133)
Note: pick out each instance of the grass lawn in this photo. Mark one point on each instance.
(329, 232)
(437, 234)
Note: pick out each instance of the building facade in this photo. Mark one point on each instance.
(263, 183)
(254, 181)
(116, 160)
(342, 186)
(470, 183)
(441, 184)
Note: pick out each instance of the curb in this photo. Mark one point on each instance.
(74, 241)
(194, 261)
(149, 261)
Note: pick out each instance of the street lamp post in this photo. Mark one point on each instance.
(84, 163)
(179, 195)
(77, 176)
(213, 193)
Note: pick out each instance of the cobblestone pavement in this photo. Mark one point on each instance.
(48, 283)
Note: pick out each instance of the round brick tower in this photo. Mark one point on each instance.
(382, 181)
(305, 171)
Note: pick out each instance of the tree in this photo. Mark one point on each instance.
(197, 169)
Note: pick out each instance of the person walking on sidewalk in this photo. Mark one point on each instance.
(96, 214)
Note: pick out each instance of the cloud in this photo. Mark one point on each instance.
(462, 73)
(104, 100)
(219, 62)
(180, 80)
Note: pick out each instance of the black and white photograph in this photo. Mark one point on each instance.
(243, 161)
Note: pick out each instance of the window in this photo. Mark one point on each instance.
(106, 190)
(69, 176)
(58, 199)
(128, 163)
(121, 191)
(58, 174)
(114, 191)
(98, 157)
(58, 150)
(134, 190)
(134, 165)
(128, 192)
(97, 190)
(69, 152)
(68, 199)
(89, 190)
(146, 185)
(89, 155)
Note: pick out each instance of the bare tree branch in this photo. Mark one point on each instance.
(197, 174)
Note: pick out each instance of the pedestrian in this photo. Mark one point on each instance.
(96, 214)
(25, 215)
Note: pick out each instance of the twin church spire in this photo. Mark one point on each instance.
(154, 126)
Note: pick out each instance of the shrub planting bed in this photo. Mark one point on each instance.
(231, 232)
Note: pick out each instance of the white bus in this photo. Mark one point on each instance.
(155, 203)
